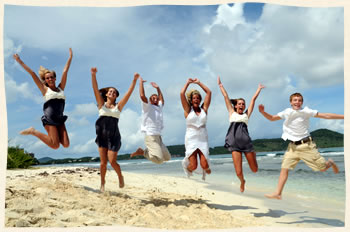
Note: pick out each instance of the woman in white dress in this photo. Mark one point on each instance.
(196, 138)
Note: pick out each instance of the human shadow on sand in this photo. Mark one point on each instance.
(275, 213)
(110, 193)
(229, 207)
(325, 221)
(166, 202)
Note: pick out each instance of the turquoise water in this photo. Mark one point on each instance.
(303, 183)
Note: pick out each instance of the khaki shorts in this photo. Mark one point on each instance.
(155, 150)
(306, 152)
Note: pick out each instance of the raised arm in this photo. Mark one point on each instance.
(98, 96)
(62, 85)
(126, 97)
(142, 91)
(185, 105)
(252, 102)
(329, 116)
(159, 92)
(226, 97)
(36, 79)
(207, 98)
(267, 115)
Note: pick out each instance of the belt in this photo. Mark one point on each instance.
(304, 140)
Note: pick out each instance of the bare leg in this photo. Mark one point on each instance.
(138, 152)
(331, 163)
(64, 140)
(193, 161)
(237, 162)
(281, 182)
(251, 158)
(112, 157)
(103, 166)
(204, 162)
(51, 140)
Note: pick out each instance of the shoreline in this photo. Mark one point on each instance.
(70, 197)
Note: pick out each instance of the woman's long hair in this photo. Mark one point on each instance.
(235, 101)
(42, 73)
(104, 91)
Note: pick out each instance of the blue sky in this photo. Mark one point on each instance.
(288, 49)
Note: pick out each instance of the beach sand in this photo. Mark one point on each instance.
(70, 197)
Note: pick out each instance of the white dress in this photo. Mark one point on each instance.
(196, 137)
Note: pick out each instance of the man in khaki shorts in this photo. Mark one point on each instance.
(301, 147)
(151, 126)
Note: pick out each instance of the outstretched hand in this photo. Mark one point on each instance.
(16, 57)
(261, 86)
(154, 85)
(196, 81)
(93, 70)
(136, 76)
(261, 108)
(189, 80)
(70, 52)
(219, 81)
(142, 80)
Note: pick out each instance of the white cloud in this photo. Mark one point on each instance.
(16, 91)
(85, 109)
(130, 130)
(88, 147)
(10, 48)
(335, 125)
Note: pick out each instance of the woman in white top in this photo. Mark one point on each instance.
(237, 139)
(53, 119)
(196, 138)
(108, 137)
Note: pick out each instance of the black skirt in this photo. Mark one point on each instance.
(53, 112)
(238, 139)
(107, 133)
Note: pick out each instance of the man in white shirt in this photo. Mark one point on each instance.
(151, 126)
(301, 147)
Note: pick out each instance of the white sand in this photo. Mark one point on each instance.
(70, 197)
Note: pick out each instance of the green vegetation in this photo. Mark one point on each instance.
(324, 138)
(18, 158)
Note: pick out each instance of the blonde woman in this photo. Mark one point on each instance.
(196, 138)
(108, 138)
(53, 119)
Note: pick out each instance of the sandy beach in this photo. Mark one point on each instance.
(70, 197)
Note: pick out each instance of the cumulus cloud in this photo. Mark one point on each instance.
(15, 91)
(336, 125)
(288, 49)
(10, 48)
(85, 109)
(87, 147)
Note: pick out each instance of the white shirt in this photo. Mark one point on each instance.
(236, 117)
(152, 118)
(50, 94)
(111, 112)
(296, 124)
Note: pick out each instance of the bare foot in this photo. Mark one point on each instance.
(121, 182)
(139, 151)
(273, 196)
(102, 188)
(208, 171)
(334, 166)
(242, 186)
(28, 131)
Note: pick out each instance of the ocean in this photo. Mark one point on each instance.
(302, 181)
